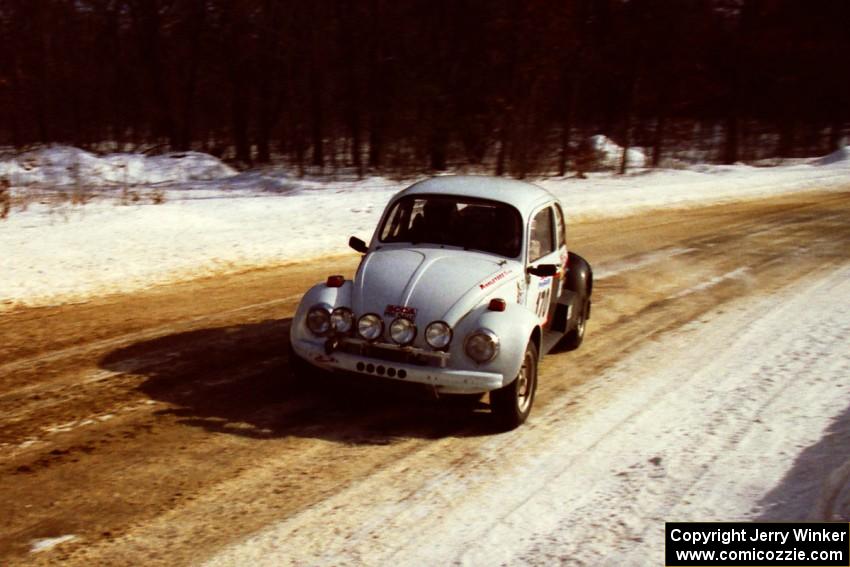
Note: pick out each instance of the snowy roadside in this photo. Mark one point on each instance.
(595, 484)
(217, 221)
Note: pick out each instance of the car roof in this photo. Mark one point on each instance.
(522, 195)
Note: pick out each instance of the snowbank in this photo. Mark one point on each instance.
(606, 195)
(63, 165)
(836, 158)
(609, 154)
(215, 221)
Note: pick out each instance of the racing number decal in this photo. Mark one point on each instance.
(544, 297)
(543, 303)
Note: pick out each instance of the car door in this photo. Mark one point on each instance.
(543, 248)
(561, 227)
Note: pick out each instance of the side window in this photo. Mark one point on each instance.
(542, 236)
(562, 227)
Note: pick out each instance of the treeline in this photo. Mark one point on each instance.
(410, 85)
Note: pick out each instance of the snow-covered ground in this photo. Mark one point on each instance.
(594, 485)
(216, 220)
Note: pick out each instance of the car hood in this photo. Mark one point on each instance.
(440, 284)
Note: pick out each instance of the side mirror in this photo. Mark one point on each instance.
(358, 244)
(543, 270)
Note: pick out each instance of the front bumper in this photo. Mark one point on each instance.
(445, 380)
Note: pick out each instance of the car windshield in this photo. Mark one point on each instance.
(473, 224)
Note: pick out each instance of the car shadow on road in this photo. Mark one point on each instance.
(817, 487)
(237, 380)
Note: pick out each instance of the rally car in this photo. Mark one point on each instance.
(466, 282)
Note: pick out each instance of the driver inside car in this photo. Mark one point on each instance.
(436, 224)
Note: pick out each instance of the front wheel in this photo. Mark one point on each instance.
(511, 404)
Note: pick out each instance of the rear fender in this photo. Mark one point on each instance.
(579, 276)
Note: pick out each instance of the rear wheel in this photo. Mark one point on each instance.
(511, 405)
(574, 338)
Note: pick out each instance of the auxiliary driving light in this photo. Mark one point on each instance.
(402, 331)
(438, 335)
(370, 327)
(342, 320)
(319, 320)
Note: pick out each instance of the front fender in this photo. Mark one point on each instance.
(316, 295)
(514, 326)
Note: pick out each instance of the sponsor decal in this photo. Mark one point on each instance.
(498, 277)
(543, 300)
(544, 282)
(400, 311)
(325, 358)
(563, 257)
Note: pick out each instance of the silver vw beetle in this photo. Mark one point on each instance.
(465, 284)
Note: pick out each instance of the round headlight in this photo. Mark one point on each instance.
(342, 319)
(438, 335)
(482, 345)
(370, 327)
(402, 331)
(319, 320)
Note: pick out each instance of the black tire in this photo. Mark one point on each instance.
(573, 339)
(511, 404)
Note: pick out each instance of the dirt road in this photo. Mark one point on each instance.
(161, 427)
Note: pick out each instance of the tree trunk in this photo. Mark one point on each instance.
(836, 139)
(501, 157)
(658, 137)
(196, 17)
(567, 125)
(300, 150)
(239, 117)
(730, 151)
(237, 71)
(376, 141)
(146, 16)
(786, 138)
(356, 143)
(317, 120)
(740, 62)
(42, 95)
(270, 97)
(627, 140)
(575, 70)
(15, 97)
(115, 89)
(628, 105)
(438, 145)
